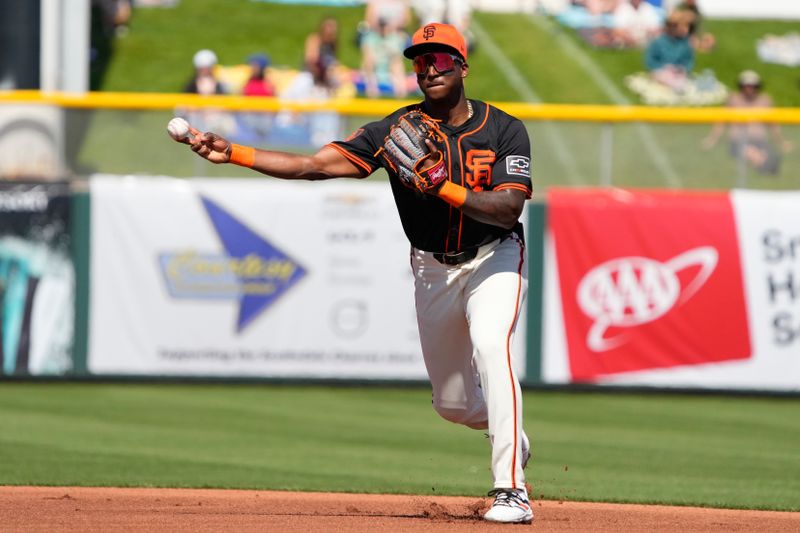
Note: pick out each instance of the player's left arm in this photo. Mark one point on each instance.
(498, 208)
(502, 203)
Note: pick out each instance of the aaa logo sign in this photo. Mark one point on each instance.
(648, 280)
(631, 291)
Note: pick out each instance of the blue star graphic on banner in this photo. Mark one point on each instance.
(263, 271)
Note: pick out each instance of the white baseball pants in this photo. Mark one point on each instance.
(467, 316)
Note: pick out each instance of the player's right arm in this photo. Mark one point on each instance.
(325, 164)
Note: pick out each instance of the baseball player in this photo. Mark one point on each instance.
(460, 173)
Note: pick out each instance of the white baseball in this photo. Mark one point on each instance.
(178, 128)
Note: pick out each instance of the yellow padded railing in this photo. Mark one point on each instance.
(365, 107)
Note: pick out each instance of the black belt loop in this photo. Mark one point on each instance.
(456, 258)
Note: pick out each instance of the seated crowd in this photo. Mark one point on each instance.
(630, 23)
(381, 37)
(669, 34)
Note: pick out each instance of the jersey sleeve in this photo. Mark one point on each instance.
(361, 146)
(512, 168)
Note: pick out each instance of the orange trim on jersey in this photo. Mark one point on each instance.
(508, 361)
(450, 212)
(518, 186)
(461, 165)
(352, 158)
(381, 152)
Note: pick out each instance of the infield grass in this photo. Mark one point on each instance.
(668, 449)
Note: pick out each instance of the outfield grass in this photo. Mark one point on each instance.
(685, 450)
(139, 145)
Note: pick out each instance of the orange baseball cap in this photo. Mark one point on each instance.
(436, 34)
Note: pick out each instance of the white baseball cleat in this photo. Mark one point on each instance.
(510, 506)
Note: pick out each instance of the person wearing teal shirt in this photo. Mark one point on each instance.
(382, 61)
(670, 57)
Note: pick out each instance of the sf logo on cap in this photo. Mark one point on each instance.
(428, 31)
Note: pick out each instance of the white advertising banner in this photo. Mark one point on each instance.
(250, 278)
(694, 290)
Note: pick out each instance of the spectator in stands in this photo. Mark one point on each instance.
(669, 57)
(636, 23)
(702, 42)
(395, 14)
(321, 53)
(109, 19)
(750, 142)
(597, 7)
(258, 84)
(457, 13)
(114, 15)
(383, 64)
(204, 80)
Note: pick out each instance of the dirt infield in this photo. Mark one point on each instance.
(196, 511)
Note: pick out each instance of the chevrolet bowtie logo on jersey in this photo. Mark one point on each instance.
(428, 32)
(518, 165)
(252, 271)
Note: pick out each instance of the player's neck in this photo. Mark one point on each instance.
(452, 113)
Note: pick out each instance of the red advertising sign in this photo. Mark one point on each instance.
(648, 280)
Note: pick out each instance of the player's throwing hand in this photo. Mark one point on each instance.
(207, 145)
(211, 146)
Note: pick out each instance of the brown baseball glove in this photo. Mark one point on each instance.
(406, 151)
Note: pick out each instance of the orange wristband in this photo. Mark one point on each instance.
(243, 156)
(453, 194)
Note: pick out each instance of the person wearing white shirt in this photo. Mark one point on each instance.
(636, 22)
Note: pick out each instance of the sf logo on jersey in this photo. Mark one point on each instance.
(479, 167)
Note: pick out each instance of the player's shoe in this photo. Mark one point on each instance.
(510, 506)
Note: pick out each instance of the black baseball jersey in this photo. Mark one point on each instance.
(489, 152)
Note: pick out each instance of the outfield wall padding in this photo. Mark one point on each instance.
(627, 288)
